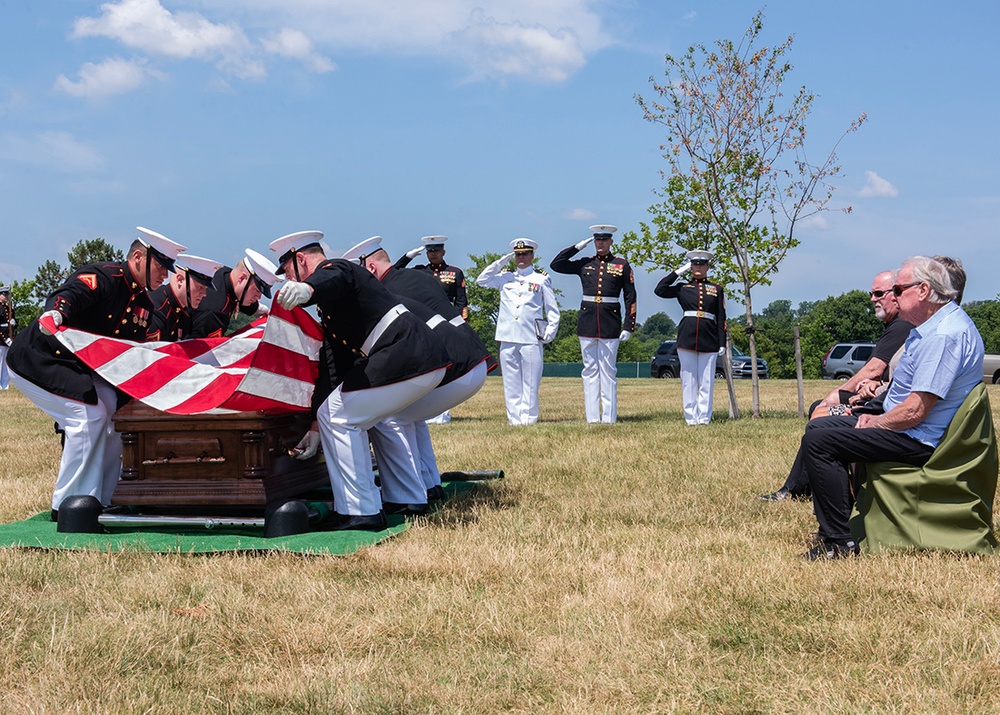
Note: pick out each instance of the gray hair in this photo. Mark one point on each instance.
(957, 274)
(934, 274)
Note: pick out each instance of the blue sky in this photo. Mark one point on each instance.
(224, 124)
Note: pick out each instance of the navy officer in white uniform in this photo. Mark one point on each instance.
(529, 317)
(377, 358)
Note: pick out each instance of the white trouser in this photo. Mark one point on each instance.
(402, 441)
(600, 379)
(697, 385)
(521, 367)
(92, 454)
(343, 419)
(4, 374)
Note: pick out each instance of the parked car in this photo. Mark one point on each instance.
(991, 369)
(843, 360)
(665, 363)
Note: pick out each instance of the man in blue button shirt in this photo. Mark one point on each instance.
(941, 363)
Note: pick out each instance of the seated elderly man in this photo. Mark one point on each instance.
(941, 364)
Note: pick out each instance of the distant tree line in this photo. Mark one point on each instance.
(844, 318)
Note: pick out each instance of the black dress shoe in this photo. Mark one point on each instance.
(404, 509)
(54, 515)
(828, 550)
(436, 492)
(342, 522)
(779, 495)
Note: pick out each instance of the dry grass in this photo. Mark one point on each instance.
(622, 568)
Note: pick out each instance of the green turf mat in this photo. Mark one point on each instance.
(40, 532)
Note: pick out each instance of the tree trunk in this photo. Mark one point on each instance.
(755, 389)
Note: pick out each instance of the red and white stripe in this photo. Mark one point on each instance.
(270, 365)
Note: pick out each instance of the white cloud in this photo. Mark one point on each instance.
(113, 76)
(57, 150)
(296, 45)
(515, 38)
(580, 215)
(876, 186)
(816, 222)
(148, 26)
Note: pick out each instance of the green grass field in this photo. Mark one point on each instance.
(624, 568)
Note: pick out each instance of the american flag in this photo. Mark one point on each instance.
(270, 365)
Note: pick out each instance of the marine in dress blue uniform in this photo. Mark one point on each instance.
(7, 325)
(232, 290)
(529, 317)
(451, 278)
(701, 335)
(402, 441)
(108, 299)
(607, 281)
(377, 358)
(176, 300)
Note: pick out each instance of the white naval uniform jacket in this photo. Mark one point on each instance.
(525, 297)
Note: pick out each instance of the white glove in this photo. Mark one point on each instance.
(683, 269)
(294, 293)
(307, 446)
(583, 244)
(722, 350)
(624, 336)
(13, 323)
(56, 316)
(413, 253)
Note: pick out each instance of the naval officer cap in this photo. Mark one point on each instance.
(286, 246)
(700, 255)
(197, 267)
(264, 273)
(523, 245)
(4, 289)
(602, 230)
(163, 249)
(361, 251)
(434, 243)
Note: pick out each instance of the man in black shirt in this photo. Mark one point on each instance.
(889, 346)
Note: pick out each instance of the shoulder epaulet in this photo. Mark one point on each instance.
(542, 271)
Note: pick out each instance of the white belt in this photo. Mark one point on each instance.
(376, 333)
(434, 321)
(600, 299)
(699, 314)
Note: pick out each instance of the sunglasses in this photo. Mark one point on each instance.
(877, 294)
(897, 290)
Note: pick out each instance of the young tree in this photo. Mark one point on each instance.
(739, 180)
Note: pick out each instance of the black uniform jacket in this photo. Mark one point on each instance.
(451, 278)
(211, 317)
(101, 298)
(704, 334)
(609, 277)
(351, 302)
(465, 348)
(171, 320)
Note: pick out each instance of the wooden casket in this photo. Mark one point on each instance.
(212, 460)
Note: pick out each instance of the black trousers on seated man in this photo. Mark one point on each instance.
(829, 445)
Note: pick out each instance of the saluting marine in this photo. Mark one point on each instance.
(701, 334)
(175, 301)
(529, 317)
(451, 278)
(7, 325)
(607, 280)
(108, 299)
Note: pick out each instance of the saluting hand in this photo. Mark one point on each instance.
(294, 293)
(414, 252)
(583, 244)
(683, 269)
